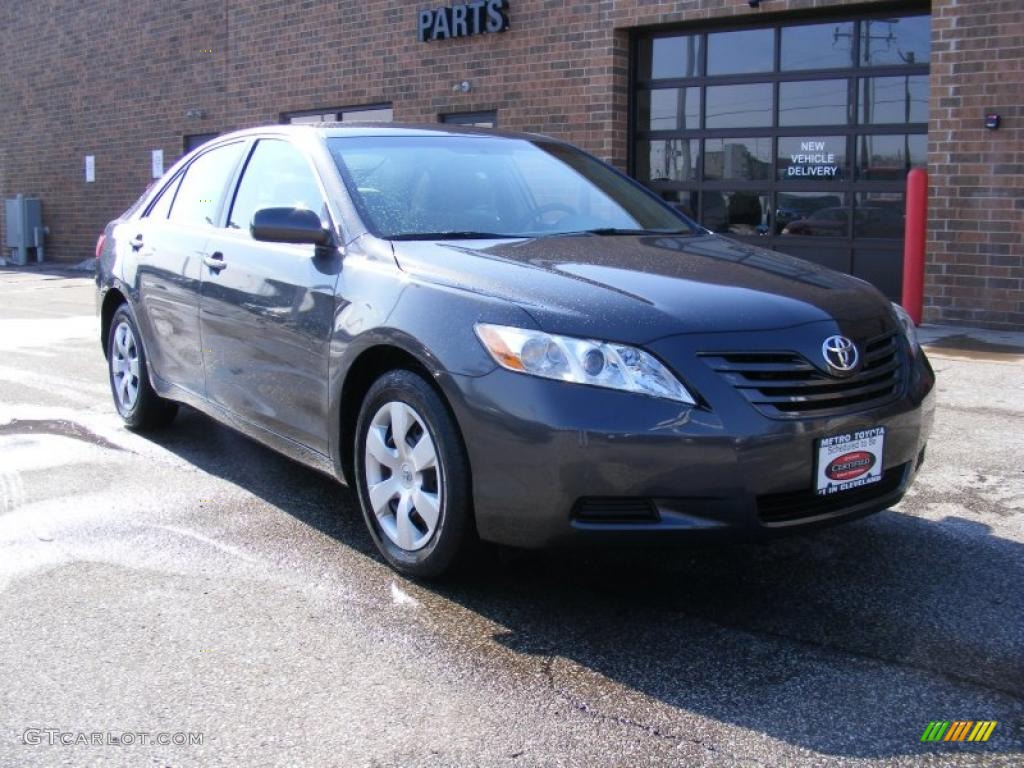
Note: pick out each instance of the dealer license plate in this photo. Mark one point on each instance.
(850, 461)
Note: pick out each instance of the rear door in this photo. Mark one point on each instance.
(171, 240)
(267, 311)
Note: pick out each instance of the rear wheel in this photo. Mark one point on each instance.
(137, 403)
(413, 476)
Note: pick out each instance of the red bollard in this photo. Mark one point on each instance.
(914, 242)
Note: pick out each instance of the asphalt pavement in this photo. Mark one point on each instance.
(191, 585)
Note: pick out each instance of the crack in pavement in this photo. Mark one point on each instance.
(580, 705)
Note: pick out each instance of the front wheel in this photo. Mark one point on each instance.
(413, 476)
(139, 406)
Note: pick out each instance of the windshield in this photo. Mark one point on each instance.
(439, 187)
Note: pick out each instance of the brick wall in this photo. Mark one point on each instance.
(114, 78)
(109, 79)
(976, 229)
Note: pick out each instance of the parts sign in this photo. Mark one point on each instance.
(472, 18)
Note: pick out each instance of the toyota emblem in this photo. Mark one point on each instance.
(840, 353)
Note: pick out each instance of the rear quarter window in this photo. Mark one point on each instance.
(161, 208)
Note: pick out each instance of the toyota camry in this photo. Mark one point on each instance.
(499, 337)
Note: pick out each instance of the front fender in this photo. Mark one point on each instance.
(381, 306)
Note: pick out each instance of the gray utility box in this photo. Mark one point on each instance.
(23, 217)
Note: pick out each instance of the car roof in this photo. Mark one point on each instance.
(335, 130)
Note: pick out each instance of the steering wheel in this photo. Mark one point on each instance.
(534, 222)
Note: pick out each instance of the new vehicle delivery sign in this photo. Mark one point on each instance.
(815, 159)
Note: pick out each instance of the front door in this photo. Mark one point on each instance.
(267, 309)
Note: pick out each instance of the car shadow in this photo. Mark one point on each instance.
(847, 642)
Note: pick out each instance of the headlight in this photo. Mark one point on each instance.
(907, 323)
(581, 361)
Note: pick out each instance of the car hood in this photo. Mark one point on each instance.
(636, 288)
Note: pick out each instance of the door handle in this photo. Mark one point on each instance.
(215, 261)
(136, 242)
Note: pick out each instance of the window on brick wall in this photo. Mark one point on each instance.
(196, 140)
(795, 135)
(475, 119)
(373, 113)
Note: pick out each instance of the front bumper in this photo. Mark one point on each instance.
(539, 449)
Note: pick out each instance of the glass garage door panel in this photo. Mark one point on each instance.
(890, 41)
(894, 100)
(747, 159)
(739, 106)
(669, 57)
(889, 158)
(819, 213)
(879, 215)
(818, 102)
(669, 109)
(817, 46)
(735, 212)
(812, 158)
(741, 52)
(796, 135)
(667, 160)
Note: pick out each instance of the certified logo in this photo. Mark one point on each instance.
(850, 466)
(840, 353)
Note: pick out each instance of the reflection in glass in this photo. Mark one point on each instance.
(735, 213)
(684, 201)
(747, 51)
(814, 102)
(664, 57)
(813, 214)
(894, 100)
(667, 160)
(895, 41)
(879, 214)
(669, 109)
(817, 46)
(383, 115)
(812, 157)
(739, 106)
(749, 159)
(890, 157)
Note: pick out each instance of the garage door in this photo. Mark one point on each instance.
(796, 136)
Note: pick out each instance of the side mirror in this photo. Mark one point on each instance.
(289, 225)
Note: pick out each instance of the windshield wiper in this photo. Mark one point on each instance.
(613, 231)
(455, 235)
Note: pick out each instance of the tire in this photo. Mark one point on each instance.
(419, 512)
(138, 405)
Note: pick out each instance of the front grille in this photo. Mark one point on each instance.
(798, 505)
(615, 510)
(786, 385)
